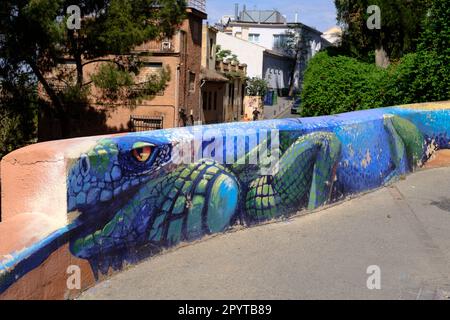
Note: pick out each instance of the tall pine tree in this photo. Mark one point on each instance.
(34, 37)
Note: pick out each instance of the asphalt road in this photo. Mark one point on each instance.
(403, 229)
(287, 114)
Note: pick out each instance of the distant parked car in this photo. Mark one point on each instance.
(295, 108)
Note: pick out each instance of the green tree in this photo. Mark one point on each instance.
(18, 111)
(225, 55)
(425, 75)
(436, 35)
(336, 84)
(35, 37)
(295, 44)
(256, 87)
(400, 28)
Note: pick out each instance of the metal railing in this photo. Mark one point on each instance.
(166, 45)
(145, 123)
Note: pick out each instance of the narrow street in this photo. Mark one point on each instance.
(279, 111)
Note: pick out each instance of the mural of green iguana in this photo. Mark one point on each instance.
(138, 200)
(128, 196)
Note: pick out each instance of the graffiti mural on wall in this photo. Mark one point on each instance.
(139, 199)
(129, 196)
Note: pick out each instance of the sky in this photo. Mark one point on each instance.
(320, 14)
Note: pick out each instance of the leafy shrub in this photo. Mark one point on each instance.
(256, 87)
(12, 133)
(9, 128)
(18, 115)
(425, 75)
(419, 77)
(436, 34)
(335, 83)
(341, 84)
(225, 55)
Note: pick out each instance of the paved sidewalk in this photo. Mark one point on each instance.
(404, 229)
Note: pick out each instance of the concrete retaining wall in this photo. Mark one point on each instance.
(75, 211)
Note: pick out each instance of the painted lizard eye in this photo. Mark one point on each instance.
(85, 165)
(142, 151)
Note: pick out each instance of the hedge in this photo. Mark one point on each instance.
(336, 84)
(340, 84)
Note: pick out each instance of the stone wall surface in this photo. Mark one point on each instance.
(75, 211)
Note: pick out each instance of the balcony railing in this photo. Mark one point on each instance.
(145, 123)
(197, 4)
(167, 45)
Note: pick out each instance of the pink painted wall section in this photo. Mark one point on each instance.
(34, 200)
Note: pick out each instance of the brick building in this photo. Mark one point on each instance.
(180, 55)
(222, 83)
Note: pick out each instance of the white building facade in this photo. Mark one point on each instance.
(268, 31)
(247, 52)
(274, 67)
